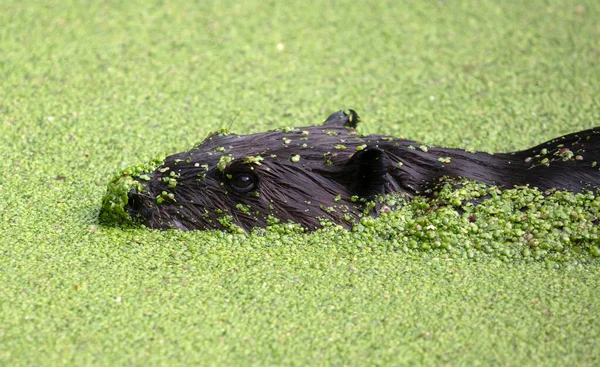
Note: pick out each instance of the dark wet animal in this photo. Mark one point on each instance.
(330, 172)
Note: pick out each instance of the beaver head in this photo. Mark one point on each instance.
(328, 172)
(304, 175)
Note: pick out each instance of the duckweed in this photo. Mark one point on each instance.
(91, 87)
(475, 220)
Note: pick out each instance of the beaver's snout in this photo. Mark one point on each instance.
(137, 206)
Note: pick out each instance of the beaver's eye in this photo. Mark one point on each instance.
(242, 182)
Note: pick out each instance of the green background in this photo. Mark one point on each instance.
(88, 88)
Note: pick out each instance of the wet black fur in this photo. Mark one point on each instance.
(328, 172)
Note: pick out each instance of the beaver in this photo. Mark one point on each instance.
(330, 172)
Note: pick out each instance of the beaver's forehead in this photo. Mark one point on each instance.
(315, 141)
(312, 137)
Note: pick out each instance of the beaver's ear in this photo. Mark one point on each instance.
(340, 118)
(366, 172)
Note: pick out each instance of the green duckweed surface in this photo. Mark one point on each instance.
(87, 90)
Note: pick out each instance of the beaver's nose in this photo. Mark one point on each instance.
(137, 205)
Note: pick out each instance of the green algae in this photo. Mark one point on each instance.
(87, 89)
(224, 161)
(480, 221)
